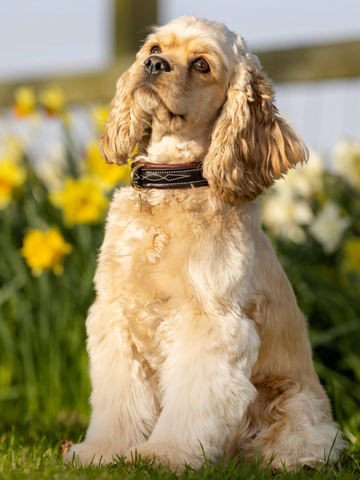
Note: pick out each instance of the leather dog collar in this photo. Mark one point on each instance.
(158, 175)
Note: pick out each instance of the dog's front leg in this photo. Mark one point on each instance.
(206, 389)
(124, 409)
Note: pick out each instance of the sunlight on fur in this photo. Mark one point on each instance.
(195, 337)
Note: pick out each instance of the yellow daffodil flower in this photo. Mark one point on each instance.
(52, 99)
(81, 200)
(100, 114)
(45, 251)
(25, 101)
(111, 174)
(136, 149)
(352, 254)
(12, 176)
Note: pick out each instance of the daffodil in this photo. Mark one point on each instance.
(12, 176)
(347, 161)
(306, 180)
(352, 254)
(303, 181)
(100, 114)
(45, 251)
(329, 226)
(110, 174)
(82, 201)
(13, 147)
(286, 208)
(52, 99)
(285, 215)
(25, 101)
(50, 165)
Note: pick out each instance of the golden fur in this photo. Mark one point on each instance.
(195, 335)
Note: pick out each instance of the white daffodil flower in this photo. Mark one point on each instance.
(347, 161)
(329, 226)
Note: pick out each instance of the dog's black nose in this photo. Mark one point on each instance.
(155, 65)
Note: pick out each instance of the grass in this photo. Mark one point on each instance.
(31, 451)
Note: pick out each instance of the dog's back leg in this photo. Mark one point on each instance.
(289, 423)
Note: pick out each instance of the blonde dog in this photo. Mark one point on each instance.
(195, 338)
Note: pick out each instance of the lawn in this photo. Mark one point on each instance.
(31, 450)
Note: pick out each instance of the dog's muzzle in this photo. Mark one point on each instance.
(153, 175)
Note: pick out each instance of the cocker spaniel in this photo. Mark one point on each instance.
(195, 339)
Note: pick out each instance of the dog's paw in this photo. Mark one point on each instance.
(65, 446)
(166, 454)
(84, 454)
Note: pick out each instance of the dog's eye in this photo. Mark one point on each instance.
(201, 65)
(155, 49)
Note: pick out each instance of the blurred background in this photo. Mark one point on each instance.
(59, 62)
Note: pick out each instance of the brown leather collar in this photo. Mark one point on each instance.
(159, 175)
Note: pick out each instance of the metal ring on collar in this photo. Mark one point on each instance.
(132, 177)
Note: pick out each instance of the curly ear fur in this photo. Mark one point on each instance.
(124, 125)
(251, 144)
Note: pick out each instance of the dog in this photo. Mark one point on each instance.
(196, 343)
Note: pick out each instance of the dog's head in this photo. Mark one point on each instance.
(199, 80)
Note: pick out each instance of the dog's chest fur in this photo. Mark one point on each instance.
(185, 261)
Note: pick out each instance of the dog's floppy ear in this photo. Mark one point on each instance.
(251, 144)
(124, 125)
